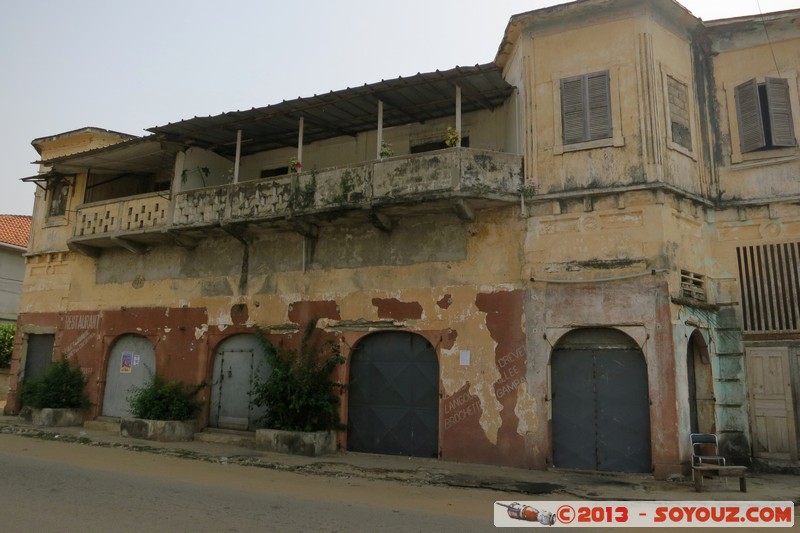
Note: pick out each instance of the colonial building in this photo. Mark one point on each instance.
(573, 256)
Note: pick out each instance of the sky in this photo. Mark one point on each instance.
(128, 66)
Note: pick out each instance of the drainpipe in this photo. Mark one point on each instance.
(300, 141)
(458, 113)
(238, 156)
(380, 129)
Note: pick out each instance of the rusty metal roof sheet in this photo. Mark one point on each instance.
(350, 111)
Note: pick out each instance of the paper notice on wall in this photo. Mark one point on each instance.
(136, 359)
(127, 363)
(464, 357)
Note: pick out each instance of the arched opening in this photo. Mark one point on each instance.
(239, 362)
(393, 396)
(700, 383)
(131, 362)
(600, 403)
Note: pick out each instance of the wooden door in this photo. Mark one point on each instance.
(772, 415)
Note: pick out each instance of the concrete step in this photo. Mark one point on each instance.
(108, 424)
(245, 439)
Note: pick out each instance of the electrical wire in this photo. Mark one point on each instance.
(769, 41)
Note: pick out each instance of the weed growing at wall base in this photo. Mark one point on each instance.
(159, 399)
(299, 393)
(61, 387)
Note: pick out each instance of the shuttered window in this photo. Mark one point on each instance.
(764, 113)
(586, 108)
(770, 285)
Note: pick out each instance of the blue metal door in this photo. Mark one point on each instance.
(601, 410)
(393, 396)
(131, 363)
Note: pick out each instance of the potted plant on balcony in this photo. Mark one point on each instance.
(451, 137)
(162, 410)
(57, 398)
(301, 398)
(295, 166)
(386, 149)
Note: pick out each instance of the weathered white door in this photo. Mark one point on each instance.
(771, 409)
(131, 363)
(240, 362)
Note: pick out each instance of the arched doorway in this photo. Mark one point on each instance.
(393, 396)
(700, 383)
(239, 362)
(130, 364)
(600, 402)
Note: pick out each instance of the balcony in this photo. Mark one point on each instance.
(424, 182)
(460, 180)
(128, 222)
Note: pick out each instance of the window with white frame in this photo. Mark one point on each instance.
(764, 114)
(586, 108)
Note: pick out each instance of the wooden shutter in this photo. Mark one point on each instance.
(599, 108)
(748, 114)
(573, 115)
(780, 112)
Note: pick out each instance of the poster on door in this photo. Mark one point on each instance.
(127, 363)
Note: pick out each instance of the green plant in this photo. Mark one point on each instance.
(61, 386)
(386, 149)
(295, 165)
(299, 392)
(302, 196)
(346, 186)
(452, 137)
(7, 332)
(159, 399)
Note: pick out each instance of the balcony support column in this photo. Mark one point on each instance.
(238, 156)
(380, 129)
(458, 113)
(300, 140)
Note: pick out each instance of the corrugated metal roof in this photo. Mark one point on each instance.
(350, 111)
(141, 154)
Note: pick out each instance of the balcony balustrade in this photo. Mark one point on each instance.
(432, 178)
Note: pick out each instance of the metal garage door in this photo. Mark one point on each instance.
(131, 363)
(601, 409)
(393, 396)
(240, 361)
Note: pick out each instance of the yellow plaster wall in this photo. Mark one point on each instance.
(742, 176)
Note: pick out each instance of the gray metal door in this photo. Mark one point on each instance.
(131, 363)
(393, 396)
(38, 356)
(239, 363)
(601, 410)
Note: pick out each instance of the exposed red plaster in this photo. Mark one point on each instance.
(445, 302)
(504, 322)
(301, 312)
(463, 438)
(394, 308)
(240, 314)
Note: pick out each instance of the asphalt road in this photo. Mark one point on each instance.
(62, 487)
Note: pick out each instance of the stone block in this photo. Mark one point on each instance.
(158, 430)
(308, 443)
(52, 417)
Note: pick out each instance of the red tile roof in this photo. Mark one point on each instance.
(15, 230)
